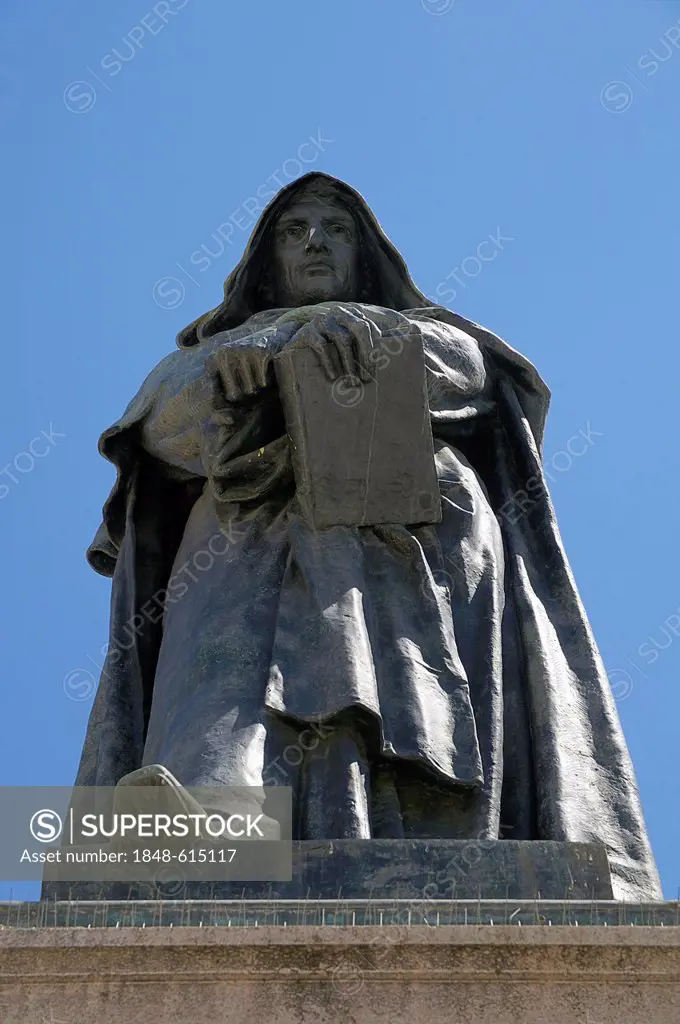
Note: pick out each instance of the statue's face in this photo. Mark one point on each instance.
(316, 253)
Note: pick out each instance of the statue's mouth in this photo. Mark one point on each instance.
(317, 267)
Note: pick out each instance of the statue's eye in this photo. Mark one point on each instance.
(339, 230)
(293, 231)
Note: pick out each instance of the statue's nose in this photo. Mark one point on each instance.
(315, 239)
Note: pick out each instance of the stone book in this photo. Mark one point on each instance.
(362, 450)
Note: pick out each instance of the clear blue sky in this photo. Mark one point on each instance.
(456, 121)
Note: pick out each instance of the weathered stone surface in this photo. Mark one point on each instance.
(480, 975)
(445, 869)
(396, 868)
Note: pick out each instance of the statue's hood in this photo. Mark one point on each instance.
(392, 287)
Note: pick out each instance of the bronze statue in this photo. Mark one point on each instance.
(431, 676)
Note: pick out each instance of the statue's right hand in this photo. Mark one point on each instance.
(343, 338)
(244, 366)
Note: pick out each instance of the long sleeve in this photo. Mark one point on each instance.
(159, 425)
(170, 430)
(459, 385)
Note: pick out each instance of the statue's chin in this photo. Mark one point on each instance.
(311, 296)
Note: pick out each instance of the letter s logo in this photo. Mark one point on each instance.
(46, 826)
(616, 97)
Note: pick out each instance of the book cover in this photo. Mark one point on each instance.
(362, 450)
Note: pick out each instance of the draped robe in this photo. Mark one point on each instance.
(447, 674)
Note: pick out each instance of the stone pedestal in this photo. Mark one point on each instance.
(391, 869)
(500, 973)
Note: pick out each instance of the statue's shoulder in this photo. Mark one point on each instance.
(185, 365)
(172, 369)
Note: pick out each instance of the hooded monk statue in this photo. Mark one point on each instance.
(336, 565)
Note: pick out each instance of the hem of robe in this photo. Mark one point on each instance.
(427, 762)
